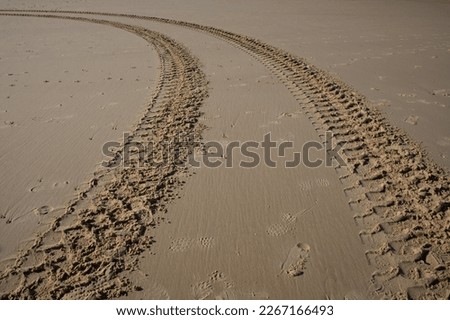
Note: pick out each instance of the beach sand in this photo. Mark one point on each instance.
(373, 225)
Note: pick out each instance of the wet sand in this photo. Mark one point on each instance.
(372, 226)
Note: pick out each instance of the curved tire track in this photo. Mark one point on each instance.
(86, 250)
(400, 197)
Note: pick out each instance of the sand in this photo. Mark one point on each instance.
(63, 97)
(373, 226)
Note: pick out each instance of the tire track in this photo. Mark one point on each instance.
(85, 252)
(399, 196)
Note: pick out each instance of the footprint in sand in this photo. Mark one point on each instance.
(206, 242)
(295, 263)
(218, 286)
(322, 182)
(287, 223)
(305, 185)
(46, 186)
(184, 244)
(42, 211)
(278, 229)
(180, 245)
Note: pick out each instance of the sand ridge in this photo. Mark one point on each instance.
(399, 196)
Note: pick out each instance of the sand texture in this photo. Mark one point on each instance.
(375, 225)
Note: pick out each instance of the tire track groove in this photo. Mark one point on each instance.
(85, 251)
